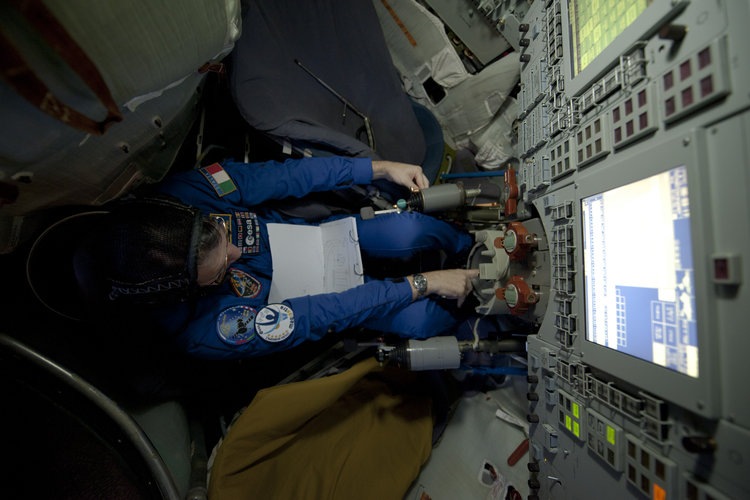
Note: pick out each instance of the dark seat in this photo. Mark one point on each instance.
(342, 44)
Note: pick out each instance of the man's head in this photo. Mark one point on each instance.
(157, 251)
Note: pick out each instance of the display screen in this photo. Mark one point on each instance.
(594, 24)
(638, 271)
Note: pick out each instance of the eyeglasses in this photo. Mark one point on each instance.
(220, 277)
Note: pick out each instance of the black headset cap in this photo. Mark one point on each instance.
(151, 248)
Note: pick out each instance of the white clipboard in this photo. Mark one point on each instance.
(309, 260)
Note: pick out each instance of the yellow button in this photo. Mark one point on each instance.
(611, 435)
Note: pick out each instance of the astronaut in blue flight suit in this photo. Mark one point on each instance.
(235, 320)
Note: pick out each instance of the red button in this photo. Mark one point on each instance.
(721, 269)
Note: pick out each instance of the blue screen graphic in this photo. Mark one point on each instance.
(638, 267)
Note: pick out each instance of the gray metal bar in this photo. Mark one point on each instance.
(139, 439)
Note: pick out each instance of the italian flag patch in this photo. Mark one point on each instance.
(219, 179)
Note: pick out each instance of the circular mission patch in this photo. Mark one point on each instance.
(235, 326)
(275, 322)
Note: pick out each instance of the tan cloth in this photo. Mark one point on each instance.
(347, 436)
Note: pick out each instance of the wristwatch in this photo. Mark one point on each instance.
(420, 283)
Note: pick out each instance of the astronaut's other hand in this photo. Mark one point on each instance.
(449, 283)
(404, 174)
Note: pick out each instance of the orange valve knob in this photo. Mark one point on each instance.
(517, 241)
(518, 295)
(511, 203)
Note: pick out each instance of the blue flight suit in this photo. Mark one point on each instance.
(236, 321)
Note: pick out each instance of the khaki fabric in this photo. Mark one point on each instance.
(354, 435)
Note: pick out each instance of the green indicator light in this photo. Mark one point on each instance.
(575, 410)
(576, 429)
(611, 435)
(567, 422)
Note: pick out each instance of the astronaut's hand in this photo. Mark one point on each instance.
(448, 283)
(404, 174)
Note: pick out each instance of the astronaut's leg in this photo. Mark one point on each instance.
(406, 233)
(419, 320)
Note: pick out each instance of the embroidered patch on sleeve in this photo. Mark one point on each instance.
(248, 232)
(274, 323)
(235, 325)
(219, 179)
(243, 284)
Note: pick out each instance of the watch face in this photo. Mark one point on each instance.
(420, 283)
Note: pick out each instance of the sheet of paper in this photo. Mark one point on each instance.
(309, 260)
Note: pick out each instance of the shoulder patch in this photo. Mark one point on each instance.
(243, 284)
(219, 179)
(275, 322)
(235, 325)
(248, 232)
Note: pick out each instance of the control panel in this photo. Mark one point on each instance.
(624, 214)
